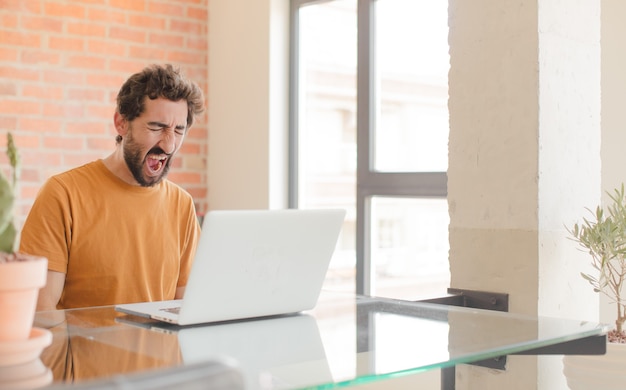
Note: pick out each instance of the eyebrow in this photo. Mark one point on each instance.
(160, 124)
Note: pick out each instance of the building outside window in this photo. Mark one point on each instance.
(370, 121)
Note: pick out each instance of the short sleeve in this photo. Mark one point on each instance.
(47, 229)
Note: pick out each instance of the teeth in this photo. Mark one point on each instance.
(159, 160)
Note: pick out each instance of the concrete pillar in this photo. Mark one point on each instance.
(524, 162)
(613, 98)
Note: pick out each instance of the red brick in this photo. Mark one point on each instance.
(65, 77)
(7, 21)
(38, 57)
(8, 122)
(19, 107)
(8, 54)
(197, 43)
(197, 132)
(188, 27)
(185, 177)
(147, 21)
(78, 159)
(20, 6)
(24, 142)
(86, 94)
(200, 13)
(87, 29)
(145, 52)
(63, 143)
(166, 8)
(42, 23)
(56, 85)
(43, 92)
(85, 128)
(190, 147)
(64, 9)
(108, 80)
(192, 2)
(63, 109)
(66, 43)
(101, 143)
(198, 193)
(47, 125)
(134, 5)
(19, 38)
(189, 57)
(38, 158)
(100, 111)
(86, 62)
(162, 39)
(8, 88)
(105, 47)
(127, 67)
(30, 175)
(28, 194)
(109, 16)
(127, 34)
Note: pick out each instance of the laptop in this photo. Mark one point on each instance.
(271, 352)
(252, 263)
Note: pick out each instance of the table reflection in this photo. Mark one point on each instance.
(91, 344)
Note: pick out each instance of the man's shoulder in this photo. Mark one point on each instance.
(81, 170)
(175, 189)
(77, 176)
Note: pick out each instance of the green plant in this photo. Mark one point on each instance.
(8, 194)
(604, 238)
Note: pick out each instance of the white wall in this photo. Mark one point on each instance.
(248, 104)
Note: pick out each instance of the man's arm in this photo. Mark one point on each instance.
(180, 291)
(50, 294)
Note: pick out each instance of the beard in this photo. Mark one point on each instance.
(135, 161)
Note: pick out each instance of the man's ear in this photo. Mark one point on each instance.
(121, 124)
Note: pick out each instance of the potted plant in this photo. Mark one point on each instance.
(604, 238)
(21, 275)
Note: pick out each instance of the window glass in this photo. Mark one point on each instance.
(409, 235)
(412, 63)
(327, 123)
(409, 246)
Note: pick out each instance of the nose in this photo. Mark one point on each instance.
(168, 142)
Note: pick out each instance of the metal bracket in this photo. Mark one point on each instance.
(473, 299)
(477, 300)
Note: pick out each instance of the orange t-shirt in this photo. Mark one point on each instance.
(115, 242)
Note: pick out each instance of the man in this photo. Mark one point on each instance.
(115, 230)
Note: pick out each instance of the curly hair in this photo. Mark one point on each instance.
(157, 81)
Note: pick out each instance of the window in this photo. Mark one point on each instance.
(369, 133)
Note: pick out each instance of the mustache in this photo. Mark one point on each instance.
(157, 150)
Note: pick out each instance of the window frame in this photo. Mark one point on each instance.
(370, 183)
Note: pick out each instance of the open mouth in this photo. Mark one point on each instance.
(156, 163)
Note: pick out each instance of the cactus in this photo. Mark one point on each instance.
(8, 194)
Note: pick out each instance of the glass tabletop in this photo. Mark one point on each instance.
(345, 340)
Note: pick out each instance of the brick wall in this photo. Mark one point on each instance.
(61, 65)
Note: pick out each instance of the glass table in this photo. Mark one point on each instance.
(346, 340)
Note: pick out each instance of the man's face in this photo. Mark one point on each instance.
(153, 138)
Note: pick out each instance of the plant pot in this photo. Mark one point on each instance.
(589, 372)
(20, 281)
(29, 375)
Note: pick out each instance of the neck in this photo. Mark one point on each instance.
(116, 164)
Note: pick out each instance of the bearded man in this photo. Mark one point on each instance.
(116, 230)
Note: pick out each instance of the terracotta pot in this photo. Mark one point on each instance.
(588, 372)
(20, 282)
(29, 375)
